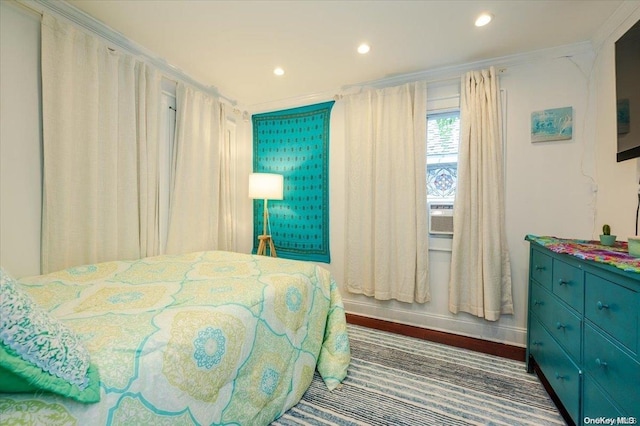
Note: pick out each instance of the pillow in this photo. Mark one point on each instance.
(40, 353)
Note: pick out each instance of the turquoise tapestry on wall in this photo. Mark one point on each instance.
(295, 144)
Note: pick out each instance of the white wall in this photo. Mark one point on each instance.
(21, 137)
(548, 190)
(617, 182)
(20, 140)
(562, 188)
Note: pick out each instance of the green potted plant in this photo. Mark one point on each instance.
(606, 239)
(634, 246)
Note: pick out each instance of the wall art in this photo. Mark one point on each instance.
(552, 125)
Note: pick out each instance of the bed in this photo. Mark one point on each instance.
(203, 338)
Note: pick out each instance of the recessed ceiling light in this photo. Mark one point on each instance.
(363, 48)
(278, 71)
(483, 19)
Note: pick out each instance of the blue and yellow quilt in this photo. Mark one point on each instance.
(203, 338)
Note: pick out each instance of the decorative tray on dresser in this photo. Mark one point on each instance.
(583, 327)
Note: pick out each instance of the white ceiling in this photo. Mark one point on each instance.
(235, 45)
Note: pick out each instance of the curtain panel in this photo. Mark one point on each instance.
(148, 121)
(480, 280)
(194, 214)
(227, 235)
(99, 145)
(386, 205)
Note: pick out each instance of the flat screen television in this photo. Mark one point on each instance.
(628, 93)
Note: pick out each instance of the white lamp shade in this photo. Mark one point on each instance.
(268, 186)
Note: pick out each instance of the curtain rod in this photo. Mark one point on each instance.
(401, 80)
(92, 25)
(389, 83)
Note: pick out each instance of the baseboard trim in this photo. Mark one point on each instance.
(462, 324)
(478, 345)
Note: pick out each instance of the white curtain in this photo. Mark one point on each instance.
(480, 281)
(148, 108)
(226, 230)
(98, 140)
(386, 230)
(194, 214)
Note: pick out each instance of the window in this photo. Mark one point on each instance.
(443, 136)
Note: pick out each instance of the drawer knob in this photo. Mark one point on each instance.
(560, 377)
(562, 282)
(540, 268)
(600, 363)
(559, 325)
(601, 305)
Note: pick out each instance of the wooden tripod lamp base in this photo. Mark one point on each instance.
(262, 245)
(266, 186)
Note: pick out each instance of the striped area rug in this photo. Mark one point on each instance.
(398, 380)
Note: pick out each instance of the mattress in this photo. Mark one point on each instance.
(202, 338)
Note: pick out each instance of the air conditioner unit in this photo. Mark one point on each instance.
(441, 218)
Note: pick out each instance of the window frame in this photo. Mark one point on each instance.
(444, 111)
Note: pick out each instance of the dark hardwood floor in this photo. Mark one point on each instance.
(478, 345)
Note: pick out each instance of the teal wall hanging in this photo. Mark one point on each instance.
(295, 143)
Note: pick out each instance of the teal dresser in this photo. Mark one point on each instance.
(583, 327)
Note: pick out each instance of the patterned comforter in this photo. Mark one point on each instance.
(203, 338)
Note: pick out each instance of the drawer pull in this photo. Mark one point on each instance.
(562, 282)
(559, 377)
(536, 343)
(540, 268)
(559, 325)
(601, 363)
(601, 305)
(538, 303)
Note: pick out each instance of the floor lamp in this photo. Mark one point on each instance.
(266, 186)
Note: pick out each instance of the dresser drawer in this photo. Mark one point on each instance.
(616, 372)
(584, 324)
(568, 284)
(557, 367)
(595, 403)
(563, 324)
(540, 301)
(613, 308)
(540, 268)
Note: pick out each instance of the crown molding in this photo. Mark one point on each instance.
(450, 74)
(627, 14)
(90, 24)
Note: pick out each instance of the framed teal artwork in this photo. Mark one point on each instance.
(552, 125)
(624, 116)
